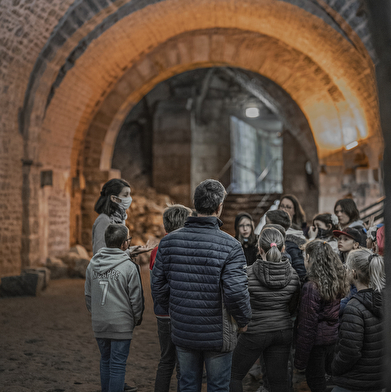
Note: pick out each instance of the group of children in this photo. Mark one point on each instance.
(338, 328)
(325, 279)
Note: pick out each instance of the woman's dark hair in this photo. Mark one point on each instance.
(327, 220)
(279, 217)
(272, 242)
(112, 187)
(326, 270)
(348, 206)
(252, 239)
(299, 216)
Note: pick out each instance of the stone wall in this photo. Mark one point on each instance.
(71, 70)
(172, 150)
(296, 180)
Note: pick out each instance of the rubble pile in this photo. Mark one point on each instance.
(145, 218)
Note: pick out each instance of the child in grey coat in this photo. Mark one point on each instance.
(114, 296)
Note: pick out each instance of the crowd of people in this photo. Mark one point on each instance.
(296, 296)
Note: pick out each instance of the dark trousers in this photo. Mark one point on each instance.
(275, 347)
(319, 363)
(168, 357)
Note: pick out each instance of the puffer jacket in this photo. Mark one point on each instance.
(199, 279)
(359, 352)
(293, 243)
(274, 294)
(316, 324)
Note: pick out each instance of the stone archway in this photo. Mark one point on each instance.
(78, 88)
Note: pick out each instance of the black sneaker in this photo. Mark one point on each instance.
(129, 388)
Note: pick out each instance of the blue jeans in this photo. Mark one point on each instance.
(168, 357)
(217, 365)
(275, 348)
(114, 354)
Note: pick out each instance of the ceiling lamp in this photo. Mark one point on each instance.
(252, 112)
(352, 145)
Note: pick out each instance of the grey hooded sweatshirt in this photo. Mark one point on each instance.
(114, 294)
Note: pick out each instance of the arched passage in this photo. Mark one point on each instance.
(77, 102)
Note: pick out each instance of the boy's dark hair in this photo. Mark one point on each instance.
(275, 226)
(348, 206)
(115, 235)
(208, 196)
(112, 187)
(174, 217)
(279, 217)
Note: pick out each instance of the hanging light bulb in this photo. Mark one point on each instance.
(252, 112)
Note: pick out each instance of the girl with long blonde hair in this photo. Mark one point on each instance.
(359, 352)
(317, 321)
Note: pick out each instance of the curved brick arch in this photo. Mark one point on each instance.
(223, 47)
(83, 22)
(113, 76)
(347, 91)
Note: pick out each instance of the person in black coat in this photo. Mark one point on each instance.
(359, 354)
(293, 243)
(244, 233)
(199, 279)
(274, 289)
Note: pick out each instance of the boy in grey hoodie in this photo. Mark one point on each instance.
(114, 296)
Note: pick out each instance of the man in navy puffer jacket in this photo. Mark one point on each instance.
(199, 279)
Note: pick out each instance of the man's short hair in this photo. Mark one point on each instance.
(175, 217)
(208, 196)
(279, 217)
(115, 235)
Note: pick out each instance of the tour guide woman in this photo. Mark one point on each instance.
(111, 206)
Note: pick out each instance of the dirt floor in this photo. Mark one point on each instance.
(47, 344)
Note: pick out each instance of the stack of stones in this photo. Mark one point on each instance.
(145, 218)
(145, 222)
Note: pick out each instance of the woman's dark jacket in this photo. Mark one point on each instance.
(199, 275)
(359, 353)
(250, 252)
(317, 323)
(274, 294)
(293, 244)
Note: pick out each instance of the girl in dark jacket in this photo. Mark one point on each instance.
(322, 228)
(244, 233)
(317, 321)
(274, 288)
(357, 364)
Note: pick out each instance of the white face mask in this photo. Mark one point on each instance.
(125, 202)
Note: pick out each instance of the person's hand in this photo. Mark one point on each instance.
(243, 329)
(145, 248)
(133, 248)
(312, 232)
(370, 223)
